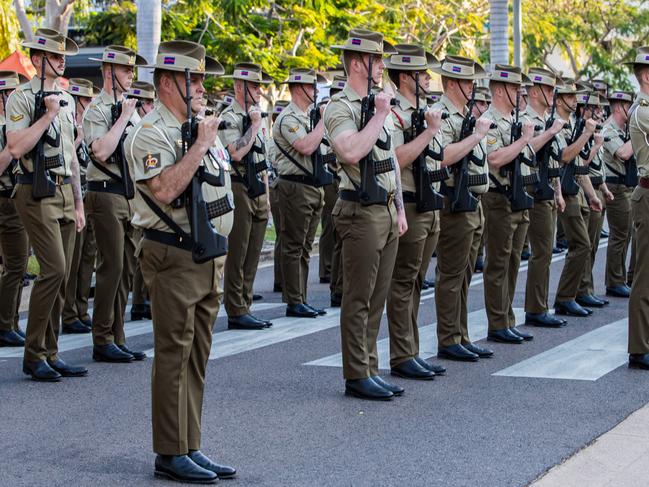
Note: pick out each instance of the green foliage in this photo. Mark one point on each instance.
(9, 29)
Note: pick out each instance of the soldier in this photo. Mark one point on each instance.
(575, 188)
(418, 154)
(481, 105)
(40, 134)
(144, 93)
(369, 215)
(620, 179)
(460, 226)
(75, 309)
(14, 245)
(109, 202)
(336, 285)
(271, 151)
(298, 136)
(639, 132)
(505, 224)
(185, 295)
(593, 104)
(548, 199)
(245, 141)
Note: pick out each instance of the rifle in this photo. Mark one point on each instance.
(321, 177)
(631, 173)
(371, 193)
(254, 186)
(118, 157)
(569, 184)
(544, 191)
(43, 186)
(427, 199)
(462, 199)
(519, 198)
(207, 243)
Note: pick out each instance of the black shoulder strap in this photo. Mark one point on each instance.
(164, 217)
(106, 171)
(288, 156)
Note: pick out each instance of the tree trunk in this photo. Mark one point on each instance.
(25, 24)
(499, 30)
(149, 20)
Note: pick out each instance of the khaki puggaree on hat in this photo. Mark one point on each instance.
(279, 106)
(410, 57)
(542, 76)
(81, 87)
(339, 82)
(366, 41)
(304, 76)
(50, 40)
(506, 73)
(141, 89)
(621, 96)
(460, 68)
(592, 98)
(228, 98)
(599, 84)
(433, 97)
(250, 72)
(186, 55)
(482, 93)
(569, 87)
(8, 80)
(120, 55)
(642, 57)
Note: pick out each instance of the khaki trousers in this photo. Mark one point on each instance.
(301, 206)
(639, 301)
(369, 247)
(140, 292)
(77, 292)
(595, 223)
(50, 226)
(336, 284)
(506, 231)
(631, 271)
(575, 225)
(244, 248)
(277, 220)
(14, 248)
(541, 236)
(327, 235)
(111, 215)
(415, 249)
(185, 298)
(457, 250)
(620, 225)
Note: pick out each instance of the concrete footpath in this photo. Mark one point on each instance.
(617, 458)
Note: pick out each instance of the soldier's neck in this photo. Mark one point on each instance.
(49, 84)
(538, 107)
(563, 113)
(503, 107)
(458, 100)
(644, 88)
(618, 118)
(359, 85)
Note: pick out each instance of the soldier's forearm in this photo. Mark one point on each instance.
(352, 146)
(20, 142)
(173, 180)
(5, 159)
(76, 180)
(242, 146)
(398, 198)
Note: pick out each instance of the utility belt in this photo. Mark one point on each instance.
(352, 195)
(596, 181)
(614, 180)
(409, 197)
(56, 179)
(169, 238)
(6, 193)
(106, 187)
(294, 178)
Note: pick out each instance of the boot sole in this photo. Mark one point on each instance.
(355, 394)
(458, 359)
(500, 340)
(166, 475)
(98, 358)
(41, 379)
(411, 377)
(633, 365)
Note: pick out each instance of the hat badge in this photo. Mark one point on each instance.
(201, 65)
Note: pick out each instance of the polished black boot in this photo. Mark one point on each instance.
(222, 471)
(110, 353)
(182, 469)
(67, 370)
(40, 371)
(367, 389)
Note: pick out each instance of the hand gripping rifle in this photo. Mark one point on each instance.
(371, 192)
(207, 242)
(319, 161)
(631, 173)
(427, 199)
(519, 198)
(569, 184)
(118, 157)
(544, 190)
(254, 185)
(462, 200)
(43, 186)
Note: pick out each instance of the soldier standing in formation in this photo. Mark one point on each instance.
(14, 245)
(53, 211)
(75, 316)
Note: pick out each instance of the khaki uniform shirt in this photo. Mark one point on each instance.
(5, 180)
(565, 137)
(155, 144)
(291, 125)
(639, 130)
(402, 117)
(97, 122)
(234, 115)
(343, 113)
(497, 139)
(450, 134)
(20, 111)
(613, 165)
(536, 119)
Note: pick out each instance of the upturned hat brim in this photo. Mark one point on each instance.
(69, 48)
(139, 61)
(431, 63)
(212, 67)
(387, 49)
(478, 72)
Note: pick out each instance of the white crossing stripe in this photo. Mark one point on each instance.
(478, 326)
(587, 357)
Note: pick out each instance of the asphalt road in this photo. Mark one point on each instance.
(281, 422)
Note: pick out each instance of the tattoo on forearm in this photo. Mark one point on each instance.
(398, 199)
(76, 180)
(243, 141)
